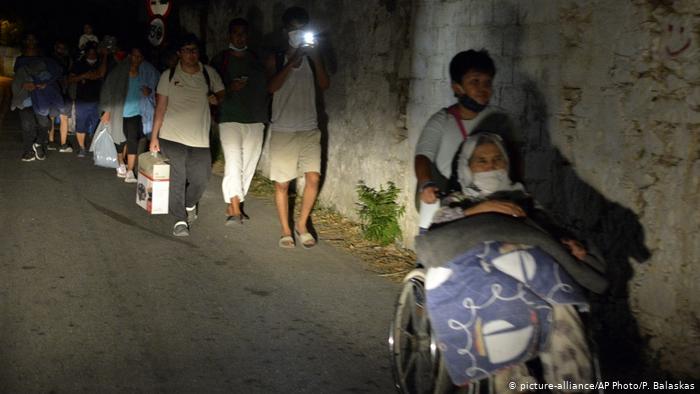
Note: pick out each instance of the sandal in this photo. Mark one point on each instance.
(307, 240)
(286, 242)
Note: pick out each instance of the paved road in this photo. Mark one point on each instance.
(96, 296)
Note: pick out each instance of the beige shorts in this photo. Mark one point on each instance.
(292, 154)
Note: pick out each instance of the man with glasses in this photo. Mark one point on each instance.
(181, 129)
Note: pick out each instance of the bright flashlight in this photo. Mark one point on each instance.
(309, 38)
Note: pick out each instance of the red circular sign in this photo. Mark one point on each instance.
(159, 7)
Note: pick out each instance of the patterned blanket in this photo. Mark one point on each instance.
(490, 308)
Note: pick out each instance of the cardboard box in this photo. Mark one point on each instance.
(153, 183)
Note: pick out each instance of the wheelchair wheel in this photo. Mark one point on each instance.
(415, 357)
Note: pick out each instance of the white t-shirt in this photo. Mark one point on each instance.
(441, 136)
(187, 118)
(294, 104)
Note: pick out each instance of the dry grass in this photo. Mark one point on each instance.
(390, 261)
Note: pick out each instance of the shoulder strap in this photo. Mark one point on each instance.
(454, 111)
(171, 74)
(207, 79)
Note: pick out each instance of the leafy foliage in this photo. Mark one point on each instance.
(380, 213)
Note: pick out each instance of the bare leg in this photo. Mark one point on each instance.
(51, 130)
(282, 203)
(130, 161)
(63, 128)
(234, 208)
(308, 200)
(81, 139)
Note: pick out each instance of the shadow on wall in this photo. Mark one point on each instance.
(611, 227)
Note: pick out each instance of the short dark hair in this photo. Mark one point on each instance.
(188, 39)
(295, 14)
(238, 22)
(471, 60)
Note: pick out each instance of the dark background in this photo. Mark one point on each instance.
(64, 19)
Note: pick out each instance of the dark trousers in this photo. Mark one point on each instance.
(190, 169)
(35, 128)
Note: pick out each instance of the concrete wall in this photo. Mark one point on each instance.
(607, 94)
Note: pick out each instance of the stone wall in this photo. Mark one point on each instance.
(607, 94)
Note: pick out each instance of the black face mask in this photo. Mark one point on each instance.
(470, 104)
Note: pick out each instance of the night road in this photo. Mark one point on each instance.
(96, 296)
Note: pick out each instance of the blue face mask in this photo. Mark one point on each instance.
(470, 104)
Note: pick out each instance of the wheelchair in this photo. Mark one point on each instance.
(416, 361)
(417, 366)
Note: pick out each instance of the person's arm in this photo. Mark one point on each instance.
(427, 189)
(321, 75)
(161, 107)
(276, 79)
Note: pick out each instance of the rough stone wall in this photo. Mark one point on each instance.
(608, 95)
(367, 49)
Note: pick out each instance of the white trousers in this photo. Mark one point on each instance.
(242, 144)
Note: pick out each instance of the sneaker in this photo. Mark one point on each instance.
(65, 148)
(181, 229)
(39, 151)
(130, 178)
(191, 214)
(82, 152)
(121, 171)
(29, 156)
(51, 146)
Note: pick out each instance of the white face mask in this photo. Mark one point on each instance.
(91, 61)
(492, 181)
(296, 38)
(233, 47)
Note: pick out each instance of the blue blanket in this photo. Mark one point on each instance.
(490, 308)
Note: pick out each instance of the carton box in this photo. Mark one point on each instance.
(153, 183)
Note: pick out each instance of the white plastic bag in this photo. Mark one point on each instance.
(104, 151)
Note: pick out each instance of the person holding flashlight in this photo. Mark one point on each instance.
(295, 141)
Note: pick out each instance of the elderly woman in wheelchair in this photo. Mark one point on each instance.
(502, 285)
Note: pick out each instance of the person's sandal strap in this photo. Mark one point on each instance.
(286, 242)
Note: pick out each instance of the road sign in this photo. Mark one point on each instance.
(156, 31)
(159, 7)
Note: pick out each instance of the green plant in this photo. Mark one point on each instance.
(379, 213)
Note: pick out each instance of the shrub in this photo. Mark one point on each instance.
(379, 213)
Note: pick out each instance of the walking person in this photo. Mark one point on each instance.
(85, 74)
(37, 95)
(295, 141)
(242, 117)
(181, 129)
(62, 57)
(128, 100)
